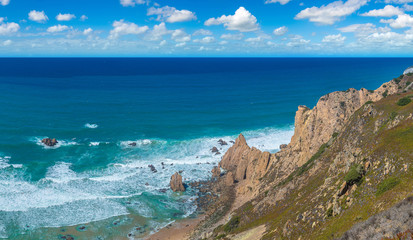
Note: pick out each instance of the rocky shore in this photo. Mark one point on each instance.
(250, 190)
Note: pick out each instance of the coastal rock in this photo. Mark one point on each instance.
(153, 169)
(282, 146)
(133, 144)
(49, 142)
(214, 150)
(229, 179)
(233, 156)
(216, 172)
(222, 142)
(176, 183)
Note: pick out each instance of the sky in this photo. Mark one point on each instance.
(146, 28)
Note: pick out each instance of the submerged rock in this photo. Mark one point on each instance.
(133, 144)
(176, 183)
(49, 142)
(214, 150)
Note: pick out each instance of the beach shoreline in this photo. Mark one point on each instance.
(178, 230)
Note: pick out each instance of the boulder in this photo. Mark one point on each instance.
(153, 169)
(282, 146)
(222, 142)
(176, 183)
(49, 142)
(214, 150)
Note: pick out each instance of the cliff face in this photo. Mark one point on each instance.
(327, 142)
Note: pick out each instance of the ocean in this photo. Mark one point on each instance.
(93, 184)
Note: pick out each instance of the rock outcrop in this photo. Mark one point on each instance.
(176, 183)
(49, 142)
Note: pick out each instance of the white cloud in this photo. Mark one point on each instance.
(87, 31)
(162, 43)
(7, 42)
(280, 31)
(402, 21)
(171, 14)
(208, 39)
(282, 2)
(180, 44)
(38, 16)
(158, 32)
(334, 39)
(242, 21)
(125, 28)
(180, 35)
(57, 28)
(398, 1)
(131, 3)
(8, 28)
(4, 2)
(83, 18)
(202, 32)
(387, 11)
(408, 8)
(65, 17)
(331, 13)
(229, 36)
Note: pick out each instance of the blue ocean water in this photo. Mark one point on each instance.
(174, 109)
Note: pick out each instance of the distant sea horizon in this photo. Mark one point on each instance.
(112, 117)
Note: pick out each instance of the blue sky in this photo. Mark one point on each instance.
(206, 28)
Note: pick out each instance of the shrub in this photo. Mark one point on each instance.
(355, 174)
(329, 212)
(369, 102)
(371, 91)
(397, 80)
(384, 85)
(404, 101)
(393, 115)
(387, 184)
(385, 93)
(408, 83)
(232, 224)
(335, 134)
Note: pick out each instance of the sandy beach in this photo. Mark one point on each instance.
(178, 230)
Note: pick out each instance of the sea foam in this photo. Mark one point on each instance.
(91, 125)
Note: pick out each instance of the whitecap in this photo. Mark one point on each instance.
(91, 125)
(94, 144)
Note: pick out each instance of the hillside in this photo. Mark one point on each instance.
(349, 159)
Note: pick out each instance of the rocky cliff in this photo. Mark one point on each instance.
(302, 185)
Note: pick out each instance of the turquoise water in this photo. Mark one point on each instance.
(175, 110)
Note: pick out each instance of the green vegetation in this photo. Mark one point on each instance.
(369, 102)
(387, 184)
(404, 101)
(310, 162)
(385, 93)
(371, 91)
(393, 115)
(397, 80)
(354, 175)
(221, 236)
(342, 104)
(335, 134)
(329, 212)
(384, 85)
(408, 83)
(232, 224)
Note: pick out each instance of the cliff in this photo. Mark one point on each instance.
(303, 191)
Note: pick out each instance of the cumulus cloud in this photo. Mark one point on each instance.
(229, 36)
(202, 32)
(242, 21)
(65, 17)
(171, 14)
(131, 3)
(334, 39)
(282, 2)
(87, 31)
(83, 18)
(207, 39)
(280, 31)
(180, 35)
(4, 2)
(331, 13)
(8, 28)
(402, 21)
(38, 16)
(125, 28)
(387, 11)
(57, 28)
(158, 32)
